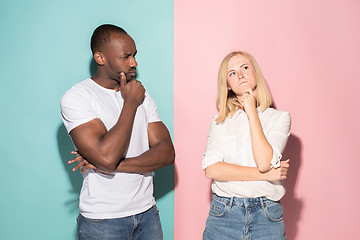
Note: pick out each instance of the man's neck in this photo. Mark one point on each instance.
(106, 82)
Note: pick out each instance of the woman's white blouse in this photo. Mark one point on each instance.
(230, 142)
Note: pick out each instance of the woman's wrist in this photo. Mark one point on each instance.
(252, 115)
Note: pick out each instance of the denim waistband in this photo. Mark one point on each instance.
(246, 202)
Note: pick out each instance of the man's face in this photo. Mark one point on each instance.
(120, 57)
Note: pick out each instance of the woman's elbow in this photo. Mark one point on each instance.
(264, 168)
(209, 173)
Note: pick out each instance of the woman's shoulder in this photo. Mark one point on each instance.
(277, 113)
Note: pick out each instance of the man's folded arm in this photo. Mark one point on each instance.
(101, 147)
(160, 154)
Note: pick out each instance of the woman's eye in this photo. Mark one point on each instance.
(231, 74)
(246, 67)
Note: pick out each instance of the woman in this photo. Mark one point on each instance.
(243, 155)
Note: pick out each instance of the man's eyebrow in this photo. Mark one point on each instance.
(128, 53)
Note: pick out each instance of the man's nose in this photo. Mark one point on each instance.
(133, 62)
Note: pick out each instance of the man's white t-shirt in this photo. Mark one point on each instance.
(118, 194)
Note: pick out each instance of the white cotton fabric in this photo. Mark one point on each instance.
(230, 142)
(118, 194)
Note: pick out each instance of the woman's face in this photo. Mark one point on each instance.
(240, 75)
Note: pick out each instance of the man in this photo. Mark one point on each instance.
(115, 126)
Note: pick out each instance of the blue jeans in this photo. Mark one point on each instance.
(141, 226)
(244, 218)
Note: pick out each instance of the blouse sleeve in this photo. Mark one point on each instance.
(213, 152)
(278, 136)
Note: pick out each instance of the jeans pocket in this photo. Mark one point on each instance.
(155, 209)
(274, 212)
(217, 209)
(91, 220)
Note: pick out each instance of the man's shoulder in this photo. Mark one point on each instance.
(81, 86)
(79, 90)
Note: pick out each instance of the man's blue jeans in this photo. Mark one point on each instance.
(142, 226)
(244, 218)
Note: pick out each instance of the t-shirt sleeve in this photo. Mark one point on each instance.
(278, 137)
(213, 152)
(76, 109)
(152, 113)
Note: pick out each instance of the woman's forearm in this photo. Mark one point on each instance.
(225, 172)
(222, 171)
(261, 149)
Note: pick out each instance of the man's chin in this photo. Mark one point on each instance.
(128, 79)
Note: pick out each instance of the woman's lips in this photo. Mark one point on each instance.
(243, 83)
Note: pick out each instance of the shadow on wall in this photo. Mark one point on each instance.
(92, 67)
(65, 146)
(291, 203)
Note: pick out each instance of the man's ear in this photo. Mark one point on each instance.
(99, 58)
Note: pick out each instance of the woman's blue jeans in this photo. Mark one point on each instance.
(244, 218)
(142, 226)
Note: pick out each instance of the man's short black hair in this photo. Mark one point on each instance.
(101, 36)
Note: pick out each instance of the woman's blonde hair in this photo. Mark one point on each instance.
(226, 101)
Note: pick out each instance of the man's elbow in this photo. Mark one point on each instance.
(107, 164)
(171, 158)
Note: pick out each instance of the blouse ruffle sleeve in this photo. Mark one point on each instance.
(213, 152)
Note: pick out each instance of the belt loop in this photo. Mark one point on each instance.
(231, 202)
(262, 202)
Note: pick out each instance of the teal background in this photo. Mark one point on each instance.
(44, 51)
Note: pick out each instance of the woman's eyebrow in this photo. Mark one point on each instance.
(239, 67)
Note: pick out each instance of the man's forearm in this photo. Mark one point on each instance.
(101, 147)
(158, 156)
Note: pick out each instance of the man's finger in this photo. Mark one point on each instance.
(122, 79)
(87, 166)
(80, 164)
(76, 159)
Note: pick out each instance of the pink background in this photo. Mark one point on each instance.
(310, 55)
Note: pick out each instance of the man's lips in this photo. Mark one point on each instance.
(132, 72)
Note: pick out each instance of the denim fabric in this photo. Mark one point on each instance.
(142, 226)
(244, 218)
